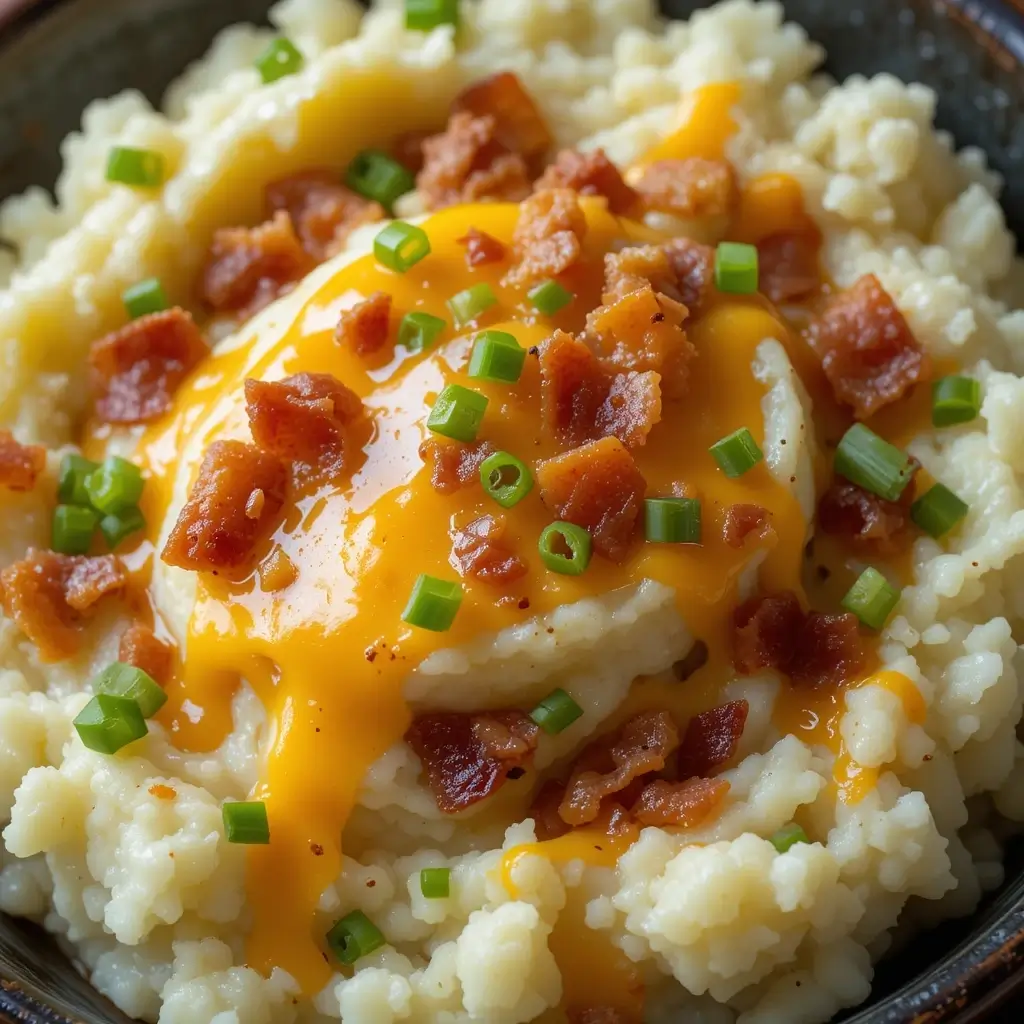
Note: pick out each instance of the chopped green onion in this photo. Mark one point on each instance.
(549, 297)
(280, 59)
(497, 356)
(117, 485)
(870, 462)
(74, 469)
(108, 723)
(418, 331)
(736, 268)
(565, 548)
(672, 520)
(378, 176)
(145, 297)
(72, 529)
(955, 400)
(424, 15)
(469, 305)
(121, 680)
(505, 478)
(788, 836)
(938, 511)
(354, 936)
(140, 167)
(737, 453)
(436, 883)
(457, 413)
(433, 604)
(401, 246)
(117, 526)
(245, 821)
(556, 712)
(871, 598)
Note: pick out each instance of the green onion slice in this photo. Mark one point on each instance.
(117, 485)
(737, 453)
(121, 680)
(457, 413)
(354, 936)
(955, 400)
(380, 177)
(549, 297)
(870, 462)
(418, 331)
(556, 712)
(436, 883)
(505, 478)
(788, 836)
(938, 511)
(118, 526)
(108, 723)
(74, 469)
(497, 356)
(72, 529)
(871, 598)
(141, 167)
(401, 246)
(280, 59)
(433, 604)
(471, 304)
(736, 269)
(565, 548)
(424, 15)
(672, 520)
(144, 298)
(245, 821)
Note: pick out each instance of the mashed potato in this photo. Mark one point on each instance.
(125, 856)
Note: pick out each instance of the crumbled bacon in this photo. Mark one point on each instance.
(20, 464)
(46, 593)
(743, 520)
(453, 464)
(831, 651)
(599, 487)
(690, 188)
(407, 149)
(693, 268)
(247, 268)
(632, 408)
(323, 211)
(365, 327)
(544, 810)
(468, 756)
(711, 739)
(642, 745)
(681, 804)
(481, 248)
(304, 418)
(141, 647)
(682, 270)
(589, 174)
(547, 236)
(864, 518)
(137, 369)
(213, 531)
(479, 550)
(788, 267)
(866, 348)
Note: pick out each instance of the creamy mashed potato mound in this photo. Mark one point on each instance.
(295, 682)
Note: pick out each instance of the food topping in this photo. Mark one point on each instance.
(711, 739)
(865, 519)
(20, 464)
(547, 237)
(365, 327)
(742, 521)
(141, 647)
(590, 174)
(478, 550)
(481, 248)
(453, 464)
(680, 804)
(690, 189)
(789, 265)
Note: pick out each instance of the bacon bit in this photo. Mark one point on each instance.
(632, 408)
(453, 464)
(589, 174)
(693, 267)
(544, 810)
(247, 268)
(316, 849)
(162, 792)
(641, 746)
(547, 236)
(468, 756)
(277, 572)
(682, 804)
(788, 267)
(681, 270)
(45, 593)
(20, 464)
(867, 351)
(481, 248)
(466, 162)
(689, 188)
(364, 327)
(865, 519)
(137, 369)
(407, 149)
(306, 418)
(743, 520)
(213, 532)
(478, 550)
(599, 487)
(711, 739)
(323, 211)
(141, 647)
(830, 651)
(518, 125)
(254, 506)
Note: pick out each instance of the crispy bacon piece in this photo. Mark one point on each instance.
(20, 464)
(743, 520)
(589, 174)
(788, 265)
(466, 162)
(693, 268)
(681, 804)
(479, 550)
(865, 519)
(453, 464)
(544, 811)
(690, 188)
(599, 487)
(642, 745)
(141, 647)
(46, 593)
(711, 739)
(481, 248)
(682, 270)
(866, 348)
(137, 369)
(407, 149)
(305, 418)
(468, 756)
(365, 327)
(631, 409)
(830, 651)
(214, 529)
(323, 211)
(547, 237)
